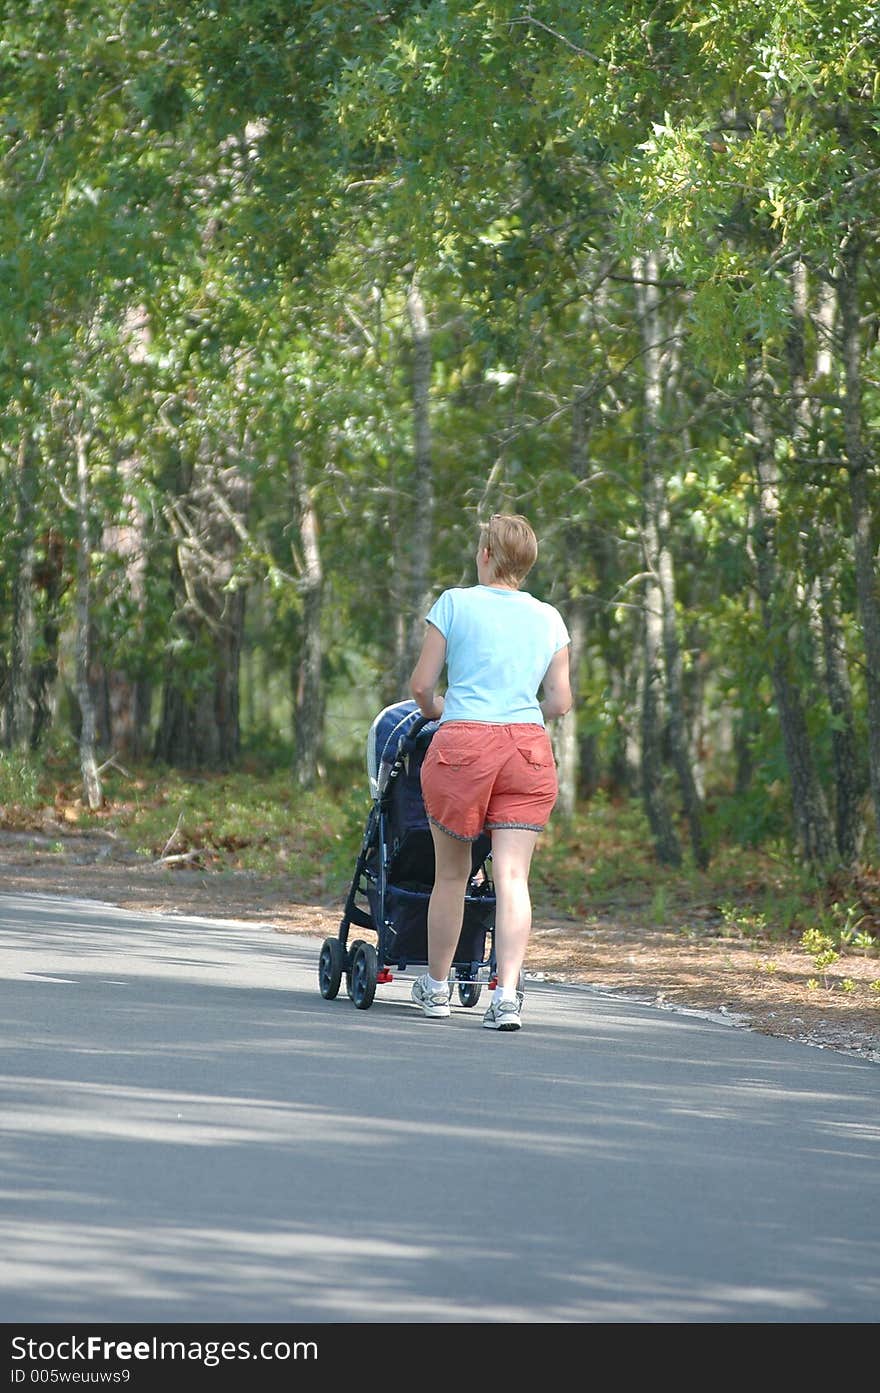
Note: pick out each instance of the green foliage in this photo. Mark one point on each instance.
(209, 217)
(20, 783)
(821, 948)
(743, 920)
(659, 906)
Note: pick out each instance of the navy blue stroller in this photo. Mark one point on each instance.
(394, 875)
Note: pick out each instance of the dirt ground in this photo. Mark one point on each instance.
(761, 987)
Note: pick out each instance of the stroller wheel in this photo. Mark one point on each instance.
(364, 975)
(349, 966)
(469, 993)
(330, 967)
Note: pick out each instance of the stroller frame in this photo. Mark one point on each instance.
(390, 888)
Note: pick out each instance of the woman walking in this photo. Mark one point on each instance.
(490, 765)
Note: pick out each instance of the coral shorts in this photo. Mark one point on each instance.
(477, 777)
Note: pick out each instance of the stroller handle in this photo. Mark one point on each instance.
(405, 748)
(409, 740)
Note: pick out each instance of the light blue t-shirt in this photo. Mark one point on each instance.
(499, 644)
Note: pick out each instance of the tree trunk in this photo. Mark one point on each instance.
(308, 687)
(126, 693)
(50, 580)
(666, 841)
(20, 712)
(200, 723)
(812, 825)
(662, 667)
(416, 536)
(844, 747)
(129, 692)
(656, 808)
(806, 430)
(624, 760)
(619, 642)
(93, 795)
(746, 729)
(565, 740)
(677, 730)
(861, 475)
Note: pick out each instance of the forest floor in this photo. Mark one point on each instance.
(775, 989)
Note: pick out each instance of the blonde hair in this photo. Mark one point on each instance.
(512, 546)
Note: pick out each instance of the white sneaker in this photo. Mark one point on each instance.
(435, 1004)
(502, 1015)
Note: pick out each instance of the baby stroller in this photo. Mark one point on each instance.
(394, 874)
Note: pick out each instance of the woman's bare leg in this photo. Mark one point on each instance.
(512, 849)
(452, 869)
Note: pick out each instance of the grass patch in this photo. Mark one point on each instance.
(241, 822)
(20, 784)
(598, 865)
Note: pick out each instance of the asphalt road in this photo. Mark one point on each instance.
(190, 1133)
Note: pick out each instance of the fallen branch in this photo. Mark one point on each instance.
(112, 763)
(171, 840)
(179, 857)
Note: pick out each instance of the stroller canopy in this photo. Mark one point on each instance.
(386, 734)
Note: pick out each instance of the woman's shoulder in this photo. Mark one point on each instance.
(449, 599)
(454, 592)
(544, 605)
(548, 611)
(459, 592)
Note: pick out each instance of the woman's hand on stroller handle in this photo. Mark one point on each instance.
(416, 727)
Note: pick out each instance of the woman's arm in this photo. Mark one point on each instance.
(557, 686)
(426, 674)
